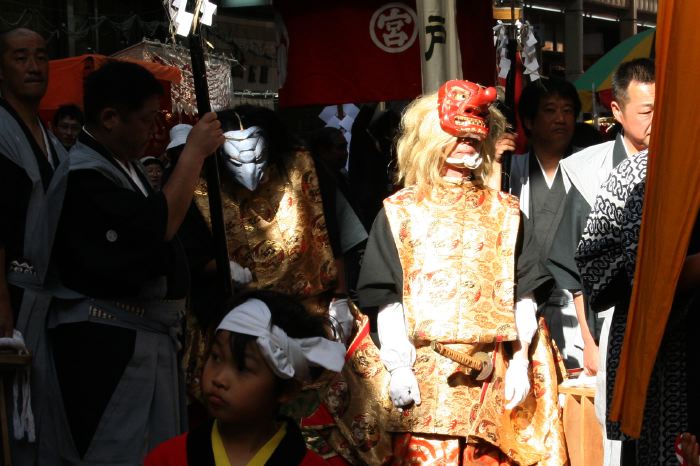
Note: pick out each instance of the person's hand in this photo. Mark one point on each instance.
(403, 387)
(689, 450)
(206, 136)
(239, 274)
(517, 383)
(590, 359)
(506, 143)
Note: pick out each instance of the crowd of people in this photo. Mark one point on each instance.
(421, 318)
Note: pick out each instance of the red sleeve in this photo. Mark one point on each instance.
(313, 459)
(336, 460)
(169, 453)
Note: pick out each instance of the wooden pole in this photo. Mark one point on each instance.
(211, 169)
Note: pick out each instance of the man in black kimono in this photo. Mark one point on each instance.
(114, 332)
(548, 111)
(27, 167)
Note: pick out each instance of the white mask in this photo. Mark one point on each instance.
(471, 162)
(246, 156)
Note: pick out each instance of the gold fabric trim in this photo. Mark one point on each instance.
(532, 433)
(357, 400)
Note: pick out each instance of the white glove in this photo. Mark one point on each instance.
(398, 355)
(403, 388)
(395, 350)
(525, 321)
(517, 382)
(341, 318)
(239, 274)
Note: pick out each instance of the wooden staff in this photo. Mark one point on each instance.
(211, 165)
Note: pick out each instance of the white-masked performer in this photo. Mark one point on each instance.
(280, 223)
(281, 227)
(468, 382)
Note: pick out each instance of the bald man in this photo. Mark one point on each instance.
(32, 179)
(33, 174)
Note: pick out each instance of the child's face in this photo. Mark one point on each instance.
(233, 395)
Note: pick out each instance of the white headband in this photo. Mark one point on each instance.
(287, 357)
(178, 135)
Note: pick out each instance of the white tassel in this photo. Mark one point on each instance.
(22, 416)
(529, 51)
(526, 41)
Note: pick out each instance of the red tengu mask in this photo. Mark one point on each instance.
(463, 106)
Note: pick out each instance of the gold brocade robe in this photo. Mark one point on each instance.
(457, 252)
(279, 231)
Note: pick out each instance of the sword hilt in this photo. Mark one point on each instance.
(479, 361)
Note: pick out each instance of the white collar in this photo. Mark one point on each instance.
(133, 174)
(549, 181)
(47, 145)
(128, 168)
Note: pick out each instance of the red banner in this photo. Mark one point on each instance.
(367, 50)
(475, 26)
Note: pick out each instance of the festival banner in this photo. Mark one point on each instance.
(368, 50)
(439, 46)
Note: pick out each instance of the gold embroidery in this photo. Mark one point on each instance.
(279, 230)
(458, 275)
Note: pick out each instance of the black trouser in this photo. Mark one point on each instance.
(90, 359)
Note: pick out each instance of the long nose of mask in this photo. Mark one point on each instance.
(246, 156)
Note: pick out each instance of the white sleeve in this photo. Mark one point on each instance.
(396, 350)
(525, 320)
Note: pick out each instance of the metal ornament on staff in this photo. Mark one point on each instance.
(189, 25)
(513, 33)
(510, 13)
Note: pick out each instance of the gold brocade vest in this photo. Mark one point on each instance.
(457, 252)
(279, 231)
